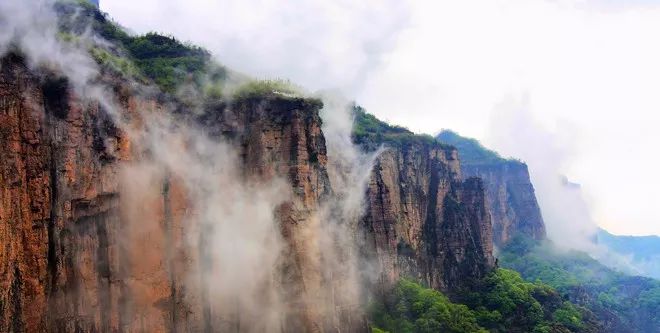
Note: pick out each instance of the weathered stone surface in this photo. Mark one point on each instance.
(91, 241)
(511, 199)
(86, 250)
(424, 221)
(280, 137)
(509, 191)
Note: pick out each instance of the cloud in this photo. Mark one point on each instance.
(589, 64)
(515, 132)
(587, 68)
(446, 64)
(566, 210)
(227, 241)
(318, 44)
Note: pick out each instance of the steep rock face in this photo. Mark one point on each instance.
(511, 200)
(281, 137)
(87, 248)
(510, 194)
(424, 221)
(84, 250)
(74, 259)
(58, 194)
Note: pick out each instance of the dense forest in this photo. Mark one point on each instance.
(622, 302)
(502, 302)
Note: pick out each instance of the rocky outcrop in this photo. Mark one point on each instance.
(280, 137)
(84, 250)
(510, 195)
(511, 199)
(93, 241)
(58, 196)
(424, 221)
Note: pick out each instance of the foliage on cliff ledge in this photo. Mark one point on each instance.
(502, 302)
(471, 151)
(370, 132)
(256, 88)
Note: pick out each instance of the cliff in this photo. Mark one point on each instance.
(423, 219)
(510, 195)
(86, 251)
(142, 210)
(96, 233)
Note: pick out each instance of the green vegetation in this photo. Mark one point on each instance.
(167, 61)
(115, 63)
(471, 151)
(256, 88)
(162, 59)
(505, 301)
(502, 302)
(560, 269)
(625, 303)
(412, 308)
(370, 132)
(643, 251)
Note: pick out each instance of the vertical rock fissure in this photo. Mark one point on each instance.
(52, 223)
(103, 266)
(431, 221)
(204, 262)
(124, 300)
(167, 225)
(16, 291)
(380, 183)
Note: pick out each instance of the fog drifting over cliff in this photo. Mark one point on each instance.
(226, 243)
(590, 65)
(515, 132)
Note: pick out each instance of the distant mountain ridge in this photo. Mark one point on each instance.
(639, 246)
(643, 251)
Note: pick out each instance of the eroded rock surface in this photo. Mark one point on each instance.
(424, 221)
(89, 246)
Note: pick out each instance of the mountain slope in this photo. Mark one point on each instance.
(621, 302)
(642, 252)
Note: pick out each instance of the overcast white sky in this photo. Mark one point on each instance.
(585, 74)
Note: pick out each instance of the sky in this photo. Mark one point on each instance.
(584, 75)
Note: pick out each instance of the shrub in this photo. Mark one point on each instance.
(370, 133)
(256, 88)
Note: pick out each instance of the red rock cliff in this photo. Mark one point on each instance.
(424, 221)
(511, 198)
(87, 249)
(510, 195)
